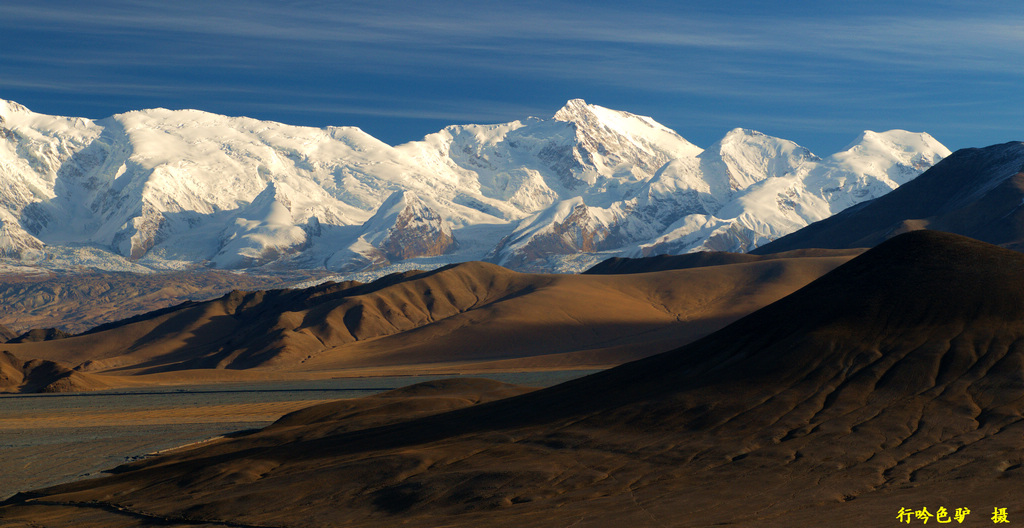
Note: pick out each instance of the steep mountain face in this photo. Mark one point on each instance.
(404, 227)
(262, 231)
(160, 189)
(974, 192)
(569, 227)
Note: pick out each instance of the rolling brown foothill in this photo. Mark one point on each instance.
(471, 317)
(893, 381)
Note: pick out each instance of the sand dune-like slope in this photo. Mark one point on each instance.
(36, 375)
(895, 381)
(474, 314)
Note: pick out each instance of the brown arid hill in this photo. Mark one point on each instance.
(974, 192)
(468, 317)
(76, 301)
(6, 334)
(36, 375)
(894, 383)
(40, 334)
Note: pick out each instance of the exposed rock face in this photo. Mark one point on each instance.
(575, 230)
(40, 334)
(15, 242)
(417, 231)
(404, 227)
(6, 334)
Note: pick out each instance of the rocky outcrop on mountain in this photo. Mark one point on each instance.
(15, 242)
(159, 189)
(6, 334)
(404, 227)
(40, 334)
(567, 229)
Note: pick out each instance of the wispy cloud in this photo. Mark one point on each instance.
(507, 57)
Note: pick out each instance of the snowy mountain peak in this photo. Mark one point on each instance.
(162, 189)
(744, 157)
(640, 130)
(745, 138)
(10, 107)
(270, 205)
(913, 147)
(573, 110)
(907, 154)
(616, 145)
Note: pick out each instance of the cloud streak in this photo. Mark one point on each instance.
(524, 54)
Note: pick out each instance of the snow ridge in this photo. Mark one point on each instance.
(161, 189)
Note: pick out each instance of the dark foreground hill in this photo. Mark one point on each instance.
(974, 192)
(894, 382)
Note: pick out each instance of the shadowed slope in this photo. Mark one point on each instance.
(40, 334)
(6, 334)
(701, 259)
(973, 192)
(18, 375)
(474, 314)
(896, 380)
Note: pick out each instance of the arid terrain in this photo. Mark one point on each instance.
(470, 317)
(76, 301)
(893, 383)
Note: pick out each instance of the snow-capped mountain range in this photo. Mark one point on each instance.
(162, 189)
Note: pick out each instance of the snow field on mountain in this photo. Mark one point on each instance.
(163, 189)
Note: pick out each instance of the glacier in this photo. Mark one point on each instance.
(162, 189)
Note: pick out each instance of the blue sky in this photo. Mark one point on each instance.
(814, 72)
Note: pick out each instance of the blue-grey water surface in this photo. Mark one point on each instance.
(31, 458)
